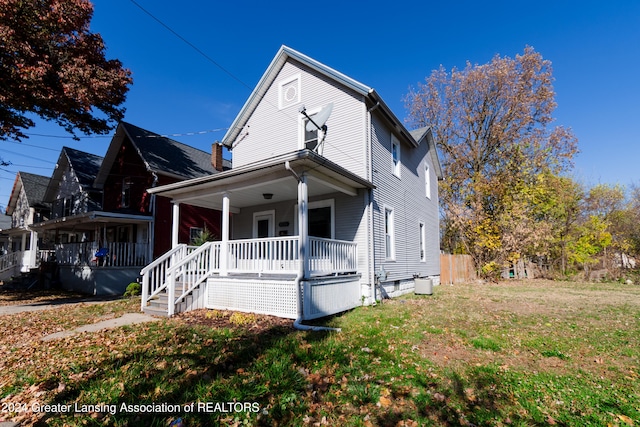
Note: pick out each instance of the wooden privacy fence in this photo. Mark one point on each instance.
(456, 269)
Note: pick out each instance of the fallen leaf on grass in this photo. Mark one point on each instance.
(384, 402)
(625, 419)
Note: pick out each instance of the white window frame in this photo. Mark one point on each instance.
(396, 160)
(302, 123)
(126, 192)
(389, 234)
(423, 240)
(282, 101)
(271, 215)
(194, 233)
(427, 180)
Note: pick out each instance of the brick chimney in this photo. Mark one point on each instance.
(216, 156)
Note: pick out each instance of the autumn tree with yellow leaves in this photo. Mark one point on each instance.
(501, 155)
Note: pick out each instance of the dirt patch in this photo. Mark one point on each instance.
(249, 322)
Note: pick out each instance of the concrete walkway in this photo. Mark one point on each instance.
(126, 319)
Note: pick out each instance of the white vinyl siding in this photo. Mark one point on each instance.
(272, 131)
(410, 208)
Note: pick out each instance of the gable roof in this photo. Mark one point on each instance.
(161, 155)
(84, 166)
(427, 134)
(285, 54)
(34, 188)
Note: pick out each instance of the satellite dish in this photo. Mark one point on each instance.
(318, 120)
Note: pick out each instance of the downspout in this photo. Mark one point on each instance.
(302, 227)
(370, 223)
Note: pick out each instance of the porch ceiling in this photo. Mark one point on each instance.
(247, 185)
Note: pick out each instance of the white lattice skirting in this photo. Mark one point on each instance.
(322, 297)
(276, 298)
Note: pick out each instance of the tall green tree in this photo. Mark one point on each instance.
(492, 124)
(54, 67)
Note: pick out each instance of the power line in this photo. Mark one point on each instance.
(27, 156)
(67, 136)
(194, 47)
(35, 146)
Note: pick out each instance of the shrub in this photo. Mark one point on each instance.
(133, 289)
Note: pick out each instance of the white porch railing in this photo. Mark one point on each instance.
(115, 254)
(269, 255)
(327, 256)
(10, 260)
(182, 269)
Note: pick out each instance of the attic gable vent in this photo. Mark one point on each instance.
(289, 92)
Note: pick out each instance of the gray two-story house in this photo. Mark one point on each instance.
(331, 203)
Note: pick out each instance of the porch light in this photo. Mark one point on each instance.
(267, 196)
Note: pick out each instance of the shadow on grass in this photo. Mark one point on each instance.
(37, 297)
(189, 364)
(479, 399)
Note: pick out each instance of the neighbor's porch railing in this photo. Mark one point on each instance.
(115, 254)
(184, 268)
(10, 260)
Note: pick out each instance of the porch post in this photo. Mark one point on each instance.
(175, 224)
(303, 224)
(224, 248)
(33, 245)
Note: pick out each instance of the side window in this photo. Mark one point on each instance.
(311, 137)
(126, 192)
(395, 156)
(427, 180)
(389, 235)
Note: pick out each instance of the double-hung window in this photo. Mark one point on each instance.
(427, 180)
(126, 192)
(389, 235)
(395, 156)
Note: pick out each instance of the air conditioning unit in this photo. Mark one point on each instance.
(423, 286)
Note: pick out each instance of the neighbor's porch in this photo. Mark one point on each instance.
(97, 253)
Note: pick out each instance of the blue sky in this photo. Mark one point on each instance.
(594, 48)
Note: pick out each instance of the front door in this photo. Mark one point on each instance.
(263, 224)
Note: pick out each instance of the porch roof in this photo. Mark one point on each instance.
(248, 184)
(87, 220)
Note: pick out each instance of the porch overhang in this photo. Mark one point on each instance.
(248, 184)
(88, 220)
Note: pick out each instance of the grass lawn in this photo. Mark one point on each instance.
(518, 353)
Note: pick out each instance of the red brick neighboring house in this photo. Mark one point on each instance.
(138, 159)
(106, 244)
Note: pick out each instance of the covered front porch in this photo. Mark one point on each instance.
(285, 248)
(97, 253)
